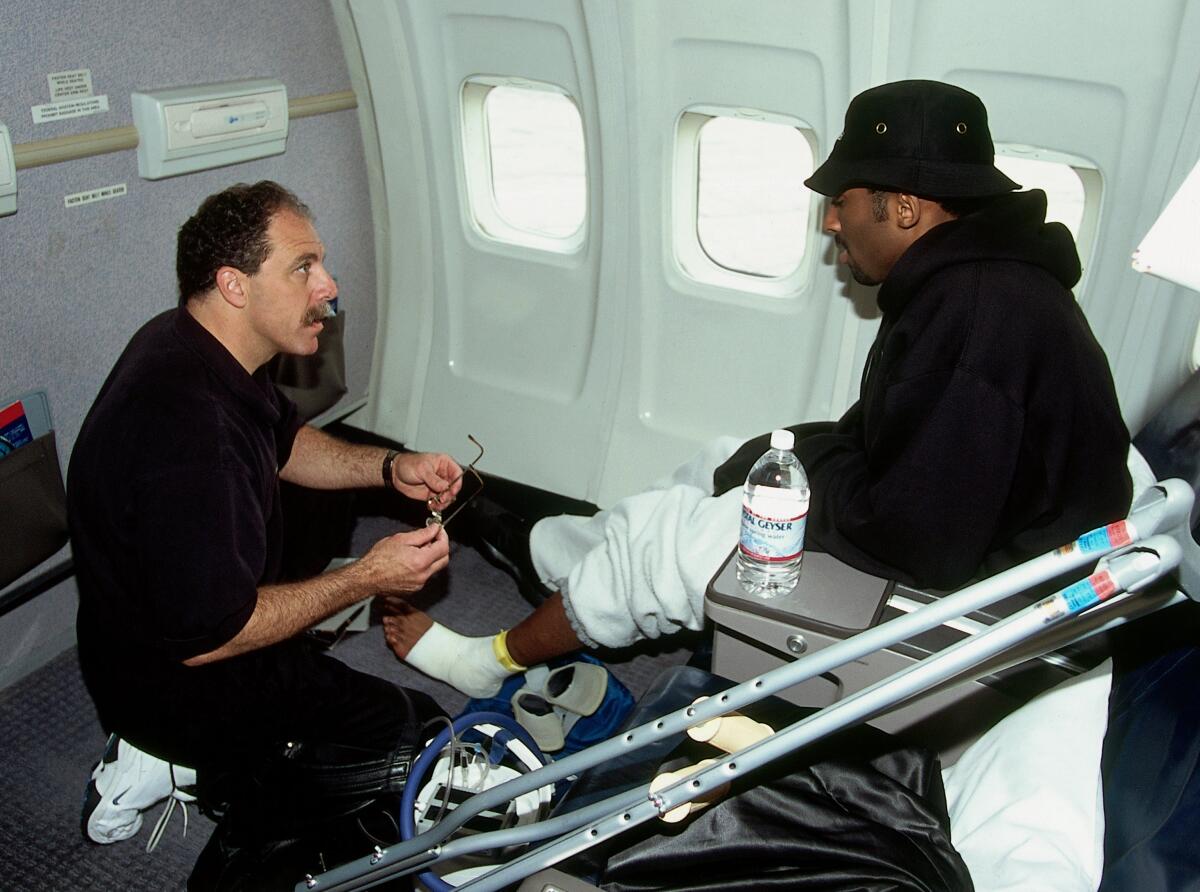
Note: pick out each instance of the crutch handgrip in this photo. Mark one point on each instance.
(730, 733)
(680, 812)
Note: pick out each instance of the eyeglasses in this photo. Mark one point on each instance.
(435, 516)
(331, 638)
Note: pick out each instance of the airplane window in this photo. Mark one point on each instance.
(526, 164)
(1061, 183)
(741, 212)
(752, 204)
(1072, 185)
(538, 178)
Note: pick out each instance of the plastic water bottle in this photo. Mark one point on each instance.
(774, 511)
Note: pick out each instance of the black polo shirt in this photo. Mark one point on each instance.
(173, 494)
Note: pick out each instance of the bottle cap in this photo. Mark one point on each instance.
(782, 439)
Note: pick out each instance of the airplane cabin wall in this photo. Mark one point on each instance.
(702, 360)
(473, 330)
(1116, 85)
(592, 374)
(588, 373)
(78, 282)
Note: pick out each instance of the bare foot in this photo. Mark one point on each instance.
(389, 604)
(466, 663)
(404, 628)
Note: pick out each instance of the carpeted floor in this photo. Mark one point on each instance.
(50, 739)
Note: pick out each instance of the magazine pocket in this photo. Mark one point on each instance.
(33, 507)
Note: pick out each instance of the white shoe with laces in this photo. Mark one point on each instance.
(125, 783)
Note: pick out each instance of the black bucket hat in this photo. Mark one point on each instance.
(922, 137)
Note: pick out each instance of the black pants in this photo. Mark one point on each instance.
(218, 716)
(279, 785)
(1151, 760)
(299, 757)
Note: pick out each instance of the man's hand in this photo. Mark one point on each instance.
(430, 477)
(321, 461)
(397, 565)
(403, 563)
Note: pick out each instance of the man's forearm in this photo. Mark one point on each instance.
(321, 461)
(286, 610)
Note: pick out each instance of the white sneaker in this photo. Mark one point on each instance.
(125, 783)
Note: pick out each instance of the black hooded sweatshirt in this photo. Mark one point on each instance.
(987, 429)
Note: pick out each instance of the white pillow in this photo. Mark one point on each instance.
(1140, 471)
(1026, 806)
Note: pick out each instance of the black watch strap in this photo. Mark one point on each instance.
(387, 468)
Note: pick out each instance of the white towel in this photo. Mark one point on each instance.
(640, 569)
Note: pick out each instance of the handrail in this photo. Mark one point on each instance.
(116, 139)
(12, 598)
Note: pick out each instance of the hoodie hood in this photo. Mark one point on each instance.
(1011, 227)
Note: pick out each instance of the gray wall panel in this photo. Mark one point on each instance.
(76, 283)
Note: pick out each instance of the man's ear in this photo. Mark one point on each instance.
(231, 283)
(908, 210)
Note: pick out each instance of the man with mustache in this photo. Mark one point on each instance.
(987, 428)
(188, 641)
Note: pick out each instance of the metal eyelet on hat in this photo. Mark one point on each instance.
(961, 128)
(881, 128)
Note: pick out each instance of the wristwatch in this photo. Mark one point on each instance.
(387, 468)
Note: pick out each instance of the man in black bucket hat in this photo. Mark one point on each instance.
(923, 137)
(987, 428)
(917, 138)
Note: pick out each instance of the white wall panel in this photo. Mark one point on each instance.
(1106, 81)
(518, 345)
(402, 212)
(592, 373)
(703, 360)
(517, 320)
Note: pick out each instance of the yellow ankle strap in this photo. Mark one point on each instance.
(503, 657)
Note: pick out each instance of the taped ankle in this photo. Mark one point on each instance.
(468, 664)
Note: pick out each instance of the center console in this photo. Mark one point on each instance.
(833, 601)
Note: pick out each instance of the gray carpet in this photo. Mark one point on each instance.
(50, 738)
